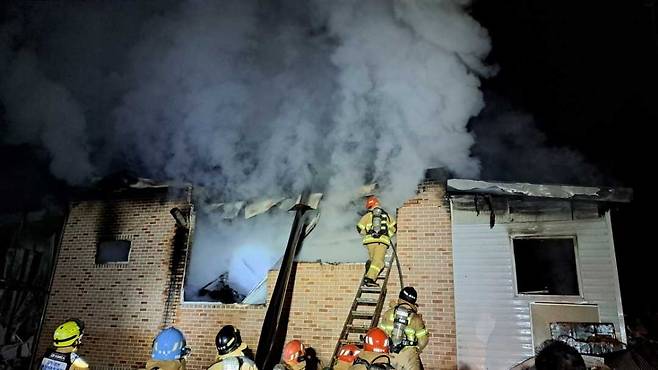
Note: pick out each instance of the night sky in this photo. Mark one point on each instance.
(588, 73)
(583, 73)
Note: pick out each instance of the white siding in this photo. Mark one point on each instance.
(493, 323)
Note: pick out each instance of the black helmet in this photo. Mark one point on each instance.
(227, 340)
(409, 294)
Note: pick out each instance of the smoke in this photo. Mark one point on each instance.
(407, 86)
(247, 249)
(249, 99)
(228, 101)
(512, 148)
(405, 91)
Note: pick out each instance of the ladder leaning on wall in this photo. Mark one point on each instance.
(362, 316)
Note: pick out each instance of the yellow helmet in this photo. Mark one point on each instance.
(69, 333)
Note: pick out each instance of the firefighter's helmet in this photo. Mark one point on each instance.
(169, 345)
(376, 340)
(227, 340)
(293, 352)
(409, 294)
(372, 202)
(348, 353)
(69, 333)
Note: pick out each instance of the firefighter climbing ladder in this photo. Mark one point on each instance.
(362, 316)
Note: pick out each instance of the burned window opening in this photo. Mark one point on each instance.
(546, 266)
(229, 259)
(113, 251)
(234, 246)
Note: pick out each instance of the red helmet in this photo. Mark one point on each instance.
(372, 202)
(348, 353)
(376, 340)
(293, 352)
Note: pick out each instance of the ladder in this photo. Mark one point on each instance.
(362, 316)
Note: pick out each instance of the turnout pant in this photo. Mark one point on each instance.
(376, 254)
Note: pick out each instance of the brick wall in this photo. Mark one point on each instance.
(121, 325)
(321, 299)
(424, 243)
(324, 292)
(122, 305)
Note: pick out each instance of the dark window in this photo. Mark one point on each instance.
(113, 251)
(546, 266)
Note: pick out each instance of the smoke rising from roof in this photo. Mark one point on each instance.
(249, 99)
(246, 98)
(512, 148)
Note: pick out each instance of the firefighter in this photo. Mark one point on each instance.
(377, 228)
(232, 354)
(297, 357)
(66, 339)
(376, 352)
(169, 351)
(406, 327)
(346, 356)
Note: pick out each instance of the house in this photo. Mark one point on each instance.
(123, 259)
(527, 255)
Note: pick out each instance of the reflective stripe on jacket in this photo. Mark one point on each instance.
(62, 359)
(414, 331)
(364, 227)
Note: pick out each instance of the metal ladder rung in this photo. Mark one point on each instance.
(347, 341)
(367, 289)
(366, 319)
(362, 315)
(367, 301)
(358, 328)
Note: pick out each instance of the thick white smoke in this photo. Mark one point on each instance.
(406, 91)
(250, 100)
(247, 249)
(227, 102)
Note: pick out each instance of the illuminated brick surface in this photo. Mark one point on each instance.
(123, 305)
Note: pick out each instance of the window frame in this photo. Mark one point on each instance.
(559, 297)
(113, 239)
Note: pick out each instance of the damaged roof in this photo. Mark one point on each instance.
(244, 208)
(254, 207)
(568, 192)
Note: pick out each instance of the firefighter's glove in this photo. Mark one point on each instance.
(405, 343)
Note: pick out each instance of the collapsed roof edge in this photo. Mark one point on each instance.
(570, 192)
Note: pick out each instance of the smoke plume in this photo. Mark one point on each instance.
(249, 99)
(512, 148)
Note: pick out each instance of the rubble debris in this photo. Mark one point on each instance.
(587, 338)
(258, 207)
(219, 290)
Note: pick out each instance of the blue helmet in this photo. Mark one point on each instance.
(169, 345)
